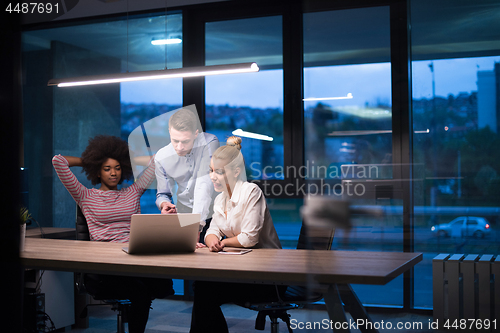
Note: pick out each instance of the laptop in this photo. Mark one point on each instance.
(163, 233)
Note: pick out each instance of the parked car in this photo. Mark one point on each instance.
(463, 226)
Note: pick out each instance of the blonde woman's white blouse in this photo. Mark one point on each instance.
(248, 218)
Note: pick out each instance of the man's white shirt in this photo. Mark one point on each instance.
(191, 174)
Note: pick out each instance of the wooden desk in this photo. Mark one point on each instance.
(266, 266)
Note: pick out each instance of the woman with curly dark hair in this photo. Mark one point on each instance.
(108, 212)
(99, 150)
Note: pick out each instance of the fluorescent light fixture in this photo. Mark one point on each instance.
(166, 41)
(368, 132)
(156, 75)
(348, 96)
(353, 133)
(251, 135)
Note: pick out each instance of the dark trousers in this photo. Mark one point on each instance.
(204, 231)
(207, 316)
(140, 291)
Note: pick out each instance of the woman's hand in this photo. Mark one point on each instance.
(198, 244)
(213, 243)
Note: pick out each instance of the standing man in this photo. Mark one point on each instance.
(185, 162)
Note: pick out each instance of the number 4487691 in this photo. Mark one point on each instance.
(470, 324)
(32, 8)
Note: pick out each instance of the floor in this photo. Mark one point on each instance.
(169, 316)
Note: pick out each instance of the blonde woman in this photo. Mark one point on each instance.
(241, 219)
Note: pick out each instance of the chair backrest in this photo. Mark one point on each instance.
(315, 238)
(82, 229)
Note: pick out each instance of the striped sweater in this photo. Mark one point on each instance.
(108, 213)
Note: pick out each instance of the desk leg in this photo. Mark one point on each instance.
(81, 301)
(336, 310)
(355, 308)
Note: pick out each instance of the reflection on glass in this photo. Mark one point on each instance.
(251, 103)
(286, 220)
(354, 126)
(347, 90)
(348, 130)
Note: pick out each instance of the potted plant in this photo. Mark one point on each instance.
(24, 218)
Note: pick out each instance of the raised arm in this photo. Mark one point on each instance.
(147, 177)
(61, 166)
(142, 160)
(73, 161)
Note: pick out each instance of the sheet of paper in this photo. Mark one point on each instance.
(235, 251)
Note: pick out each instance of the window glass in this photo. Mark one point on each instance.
(455, 140)
(348, 129)
(286, 220)
(347, 119)
(347, 91)
(456, 124)
(251, 103)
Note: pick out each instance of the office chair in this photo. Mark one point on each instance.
(117, 302)
(323, 215)
(295, 297)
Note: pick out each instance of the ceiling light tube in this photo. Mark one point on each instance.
(166, 41)
(251, 135)
(348, 96)
(156, 75)
(368, 132)
(354, 133)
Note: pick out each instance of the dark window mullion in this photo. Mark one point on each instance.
(293, 114)
(193, 54)
(402, 128)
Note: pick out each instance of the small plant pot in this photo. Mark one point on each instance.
(22, 237)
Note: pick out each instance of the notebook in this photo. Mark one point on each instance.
(163, 233)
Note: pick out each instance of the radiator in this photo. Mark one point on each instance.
(466, 287)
